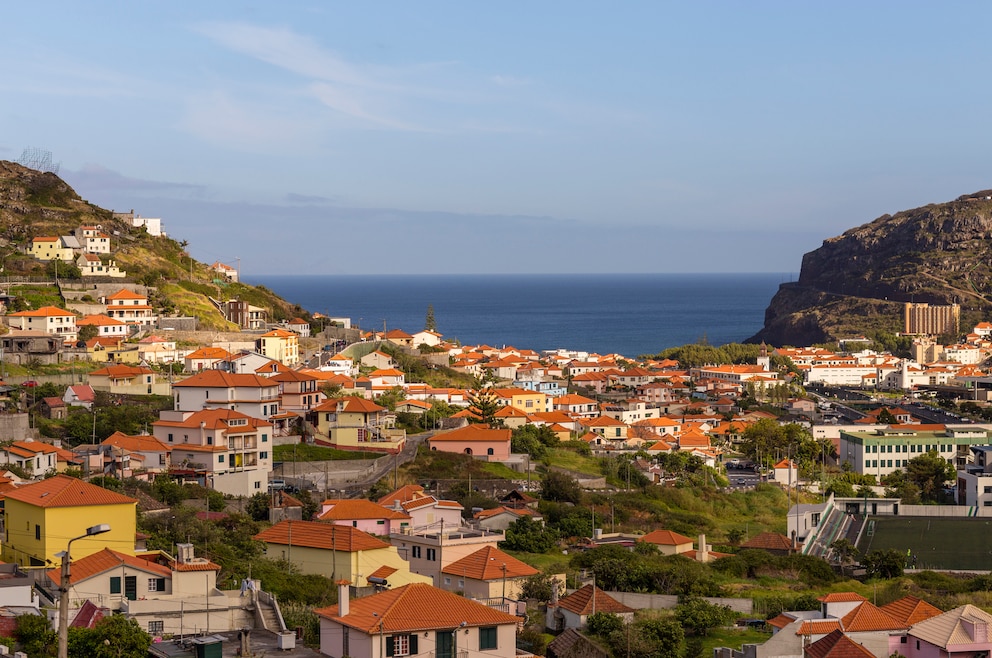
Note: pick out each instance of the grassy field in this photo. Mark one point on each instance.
(303, 452)
(937, 543)
(573, 461)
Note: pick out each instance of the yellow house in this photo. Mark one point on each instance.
(526, 401)
(50, 248)
(41, 518)
(338, 552)
(280, 345)
(352, 422)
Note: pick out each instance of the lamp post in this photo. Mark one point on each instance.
(64, 588)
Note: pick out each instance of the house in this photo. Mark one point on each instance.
(91, 265)
(40, 517)
(298, 326)
(299, 391)
(252, 395)
(35, 457)
(355, 423)
(430, 549)
(476, 440)
(228, 272)
(93, 240)
(488, 573)
(415, 621)
(573, 644)
(50, 319)
(377, 359)
(364, 515)
(427, 337)
(50, 248)
(52, 408)
(399, 337)
(280, 345)
(221, 449)
(205, 358)
(106, 326)
(80, 395)
(156, 349)
(668, 542)
(128, 380)
(244, 314)
(337, 551)
(786, 472)
(501, 518)
(961, 631)
(155, 456)
(573, 610)
(23, 347)
(771, 542)
(576, 405)
(130, 307)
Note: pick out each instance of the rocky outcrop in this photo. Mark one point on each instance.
(857, 282)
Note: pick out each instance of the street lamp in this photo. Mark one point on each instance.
(64, 587)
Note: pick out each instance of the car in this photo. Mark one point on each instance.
(277, 485)
(741, 481)
(29, 383)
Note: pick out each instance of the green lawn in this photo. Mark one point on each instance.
(542, 561)
(573, 461)
(497, 470)
(938, 543)
(304, 452)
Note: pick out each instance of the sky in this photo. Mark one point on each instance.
(452, 137)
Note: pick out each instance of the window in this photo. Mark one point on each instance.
(490, 451)
(401, 645)
(170, 438)
(156, 627)
(115, 584)
(415, 551)
(988, 489)
(220, 459)
(487, 638)
(258, 485)
(37, 531)
(156, 584)
(265, 438)
(263, 455)
(432, 554)
(447, 581)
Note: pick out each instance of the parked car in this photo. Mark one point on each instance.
(29, 383)
(277, 485)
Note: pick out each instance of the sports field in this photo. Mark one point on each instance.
(937, 543)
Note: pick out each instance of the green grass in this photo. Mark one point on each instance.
(938, 543)
(303, 452)
(556, 563)
(497, 470)
(573, 461)
(731, 637)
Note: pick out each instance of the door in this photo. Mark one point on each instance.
(445, 644)
(131, 587)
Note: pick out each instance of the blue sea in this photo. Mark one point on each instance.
(629, 314)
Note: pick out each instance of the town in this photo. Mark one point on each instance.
(303, 486)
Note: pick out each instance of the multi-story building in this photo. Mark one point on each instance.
(975, 480)
(93, 240)
(50, 319)
(431, 549)
(221, 449)
(280, 345)
(252, 395)
(51, 248)
(932, 320)
(888, 449)
(130, 307)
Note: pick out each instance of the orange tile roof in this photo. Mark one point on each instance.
(43, 312)
(220, 379)
(580, 602)
(349, 405)
(867, 617)
(402, 610)
(470, 433)
(837, 645)
(841, 597)
(404, 494)
(818, 627)
(769, 541)
(122, 371)
(141, 443)
(347, 509)
(99, 321)
(320, 535)
(385, 571)
(209, 353)
(910, 610)
(665, 538)
(105, 560)
(65, 491)
(487, 564)
(781, 621)
(216, 419)
(126, 294)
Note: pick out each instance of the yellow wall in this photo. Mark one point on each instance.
(60, 524)
(341, 564)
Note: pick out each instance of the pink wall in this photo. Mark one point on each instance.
(501, 449)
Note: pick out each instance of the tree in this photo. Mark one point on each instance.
(36, 635)
(845, 552)
(430, 324)
(484, 404)
(604, 623)
(88, 332)
(561, 487)
(929, 472)
(884, 564)
(735, 536)
(529, 536)
(257, 506)
(541, 586)
(885, 416)
(699, 616)
(112, 637)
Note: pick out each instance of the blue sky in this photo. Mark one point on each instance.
(452, 137)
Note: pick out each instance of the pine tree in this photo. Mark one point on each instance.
(430, 324)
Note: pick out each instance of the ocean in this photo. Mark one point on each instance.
(628, 314)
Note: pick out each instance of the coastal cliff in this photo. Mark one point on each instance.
(35, 204)
(857, 283)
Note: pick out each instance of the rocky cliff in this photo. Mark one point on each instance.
(857, 282)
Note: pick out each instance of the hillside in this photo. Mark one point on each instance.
(856, 283)
(34, 203)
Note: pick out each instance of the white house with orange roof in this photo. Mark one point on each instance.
(486, 574)
(155, 455)
(50, 319)
(35, 457)
(427, 337)
(608, 428)
(130, 307)
(204, 358)
(299, 391)
(128, 380)
(156, 349)
(93, 240)
(106, 326)
(500, 518)
(576, 405)
(353, 423)
(281, 345)
(225, 270)
(252, 395)
(93, 265)
(339, 364)
(394, 623)
(786, 472)
(385, 378)
(298, 326)
(221, 449)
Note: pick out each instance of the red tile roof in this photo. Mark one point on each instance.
(348, 509)
(769, 541)
(43, 312)
(837, 645)
(122, 371)
(487, 564)
(580, 602)
(665, 538)
(320, 535)
(472, 433)
(841, 597)
(141, 443)
(105, 560)
(415, 607)
(220, 379)
(910, 610)
(818, 627)
(65, 491)
(867, 617)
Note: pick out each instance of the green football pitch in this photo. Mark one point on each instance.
(937, 543)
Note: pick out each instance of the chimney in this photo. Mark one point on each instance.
(704, 551)
(343, 594)
(184, 553)
(554, 594)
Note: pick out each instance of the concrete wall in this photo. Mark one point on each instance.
(14, 427)
(665, 602)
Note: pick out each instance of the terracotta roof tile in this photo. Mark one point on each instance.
(837, 645)
(841, 597)
(65, 491)
(867, 617)
(320, 535)
(580, 602)
(665, 538)
(911, 610)
(105, 560)
(818, 627)
(769, 541)
(472, 433)
(487, 564)
(347, 509)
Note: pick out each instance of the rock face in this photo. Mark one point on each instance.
(857, 282)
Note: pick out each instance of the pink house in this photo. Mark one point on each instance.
(963, 631)
(476, 440)
(364, 515)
